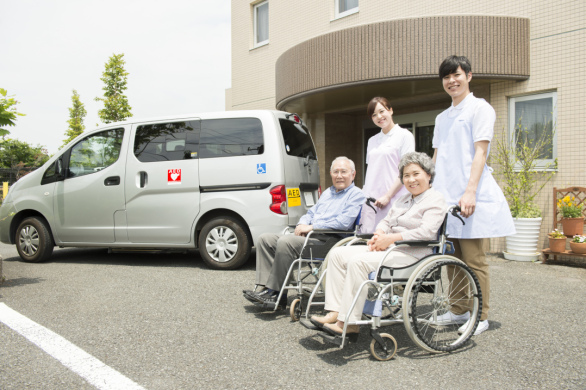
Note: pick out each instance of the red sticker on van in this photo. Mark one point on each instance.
(174, 176)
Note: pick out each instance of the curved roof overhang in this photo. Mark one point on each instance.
(344, 69)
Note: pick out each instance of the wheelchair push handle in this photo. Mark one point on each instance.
(368, 203)
(454, 210)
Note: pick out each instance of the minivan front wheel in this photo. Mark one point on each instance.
(224, 243)
(33, 240)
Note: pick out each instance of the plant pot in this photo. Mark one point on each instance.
(557, 244)
(522, 246)
(573, 226)
(578, 247)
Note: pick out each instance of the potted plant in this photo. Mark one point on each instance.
(572, 218)
(578, 244)
(557, 241)
(521, 182)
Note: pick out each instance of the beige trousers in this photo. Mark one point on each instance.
(347, 268)
(471, 252)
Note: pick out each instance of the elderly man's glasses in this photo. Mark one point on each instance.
(343, 172)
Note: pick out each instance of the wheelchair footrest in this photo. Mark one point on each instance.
(307, 323)
(265, 305)
(337, 340)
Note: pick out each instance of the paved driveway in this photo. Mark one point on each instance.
(165, 321)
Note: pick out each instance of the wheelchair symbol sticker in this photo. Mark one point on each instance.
(261, 168)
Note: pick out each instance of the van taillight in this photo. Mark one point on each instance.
(279, 200)
(319, 191)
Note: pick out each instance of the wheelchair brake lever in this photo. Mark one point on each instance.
(368, 200)
(455, 210)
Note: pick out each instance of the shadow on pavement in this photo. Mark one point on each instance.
(149, 258)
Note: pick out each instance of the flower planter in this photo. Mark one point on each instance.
(573, 226)
(523, 245)
(578, 247)
(557, 244)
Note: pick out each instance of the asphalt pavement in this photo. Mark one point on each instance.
(166, 321)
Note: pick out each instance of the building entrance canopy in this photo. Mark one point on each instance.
(344, 69)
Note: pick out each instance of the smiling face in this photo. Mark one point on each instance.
(457, 85)
(415, 179)
(383, 117)
(342, 174)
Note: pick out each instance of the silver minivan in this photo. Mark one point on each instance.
(213, 181)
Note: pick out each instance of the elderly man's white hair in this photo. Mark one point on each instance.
(344, 158)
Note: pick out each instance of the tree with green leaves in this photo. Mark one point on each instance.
(8, 113)
(116, 107)
(76, 114)
(14, 152)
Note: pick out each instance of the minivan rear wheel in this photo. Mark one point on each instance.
(224, 243)
(33, 240)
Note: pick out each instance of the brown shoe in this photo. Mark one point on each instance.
(337, 331)
(329, 318)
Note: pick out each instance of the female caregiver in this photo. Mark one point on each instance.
(415, 216)
(383, 154)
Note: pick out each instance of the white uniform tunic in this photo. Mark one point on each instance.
(383, 155)
(456, 131)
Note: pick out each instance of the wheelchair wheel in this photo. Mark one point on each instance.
(295, 309)
(433, 289)
(378, 351)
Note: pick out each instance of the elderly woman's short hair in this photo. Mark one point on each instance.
(421, 159)
(344, 158)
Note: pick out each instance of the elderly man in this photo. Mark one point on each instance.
(336, 209)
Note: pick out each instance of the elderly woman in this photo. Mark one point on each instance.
(415, 216)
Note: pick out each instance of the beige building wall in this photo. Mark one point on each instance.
(557, 63)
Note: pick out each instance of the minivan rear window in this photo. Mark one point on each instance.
(231, 137)
(298, 142)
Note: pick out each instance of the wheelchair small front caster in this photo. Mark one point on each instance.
(386, 352)
(295, 310)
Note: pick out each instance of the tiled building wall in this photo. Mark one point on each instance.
(558, 63)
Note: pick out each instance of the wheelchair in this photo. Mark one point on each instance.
(415, 295)
(305, 271)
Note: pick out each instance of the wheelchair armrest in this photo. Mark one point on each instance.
(417, 243)
(324, 234)
(330, 231)
(365, 236)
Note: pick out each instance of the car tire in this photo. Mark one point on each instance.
(224, 243)
(33, 240)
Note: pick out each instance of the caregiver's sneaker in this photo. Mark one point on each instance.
(450, 318)
(482, 326)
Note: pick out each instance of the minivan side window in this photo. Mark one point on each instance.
(231, 137)
(167, 141)
(95, 152)
(297, 139)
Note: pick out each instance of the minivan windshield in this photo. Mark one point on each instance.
(297, 139)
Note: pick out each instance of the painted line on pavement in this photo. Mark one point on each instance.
(71, 356)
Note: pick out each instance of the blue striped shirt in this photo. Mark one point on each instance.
(335, 210)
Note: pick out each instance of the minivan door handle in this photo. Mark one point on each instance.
(143, 179)
(112, 181)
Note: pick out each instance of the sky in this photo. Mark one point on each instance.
(177, 54)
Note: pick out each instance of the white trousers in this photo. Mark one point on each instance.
(347, 268)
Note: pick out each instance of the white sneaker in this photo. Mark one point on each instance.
(450, 318)
(482, 326)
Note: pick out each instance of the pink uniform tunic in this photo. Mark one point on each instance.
(382, 156)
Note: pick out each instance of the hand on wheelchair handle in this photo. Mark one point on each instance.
(454, 210)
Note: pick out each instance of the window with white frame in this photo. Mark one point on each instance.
(261, 23)
(346, 7)
(532, 121)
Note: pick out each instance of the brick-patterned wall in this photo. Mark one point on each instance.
(557, 63)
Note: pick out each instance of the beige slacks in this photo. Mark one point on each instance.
(471, 252)
(347, 268)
